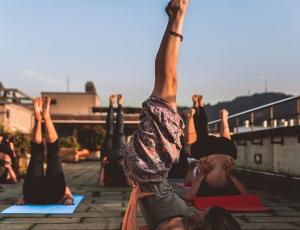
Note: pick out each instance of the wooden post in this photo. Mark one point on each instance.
(272, 117)
(237, 124)
(298, 111)
(252, 121)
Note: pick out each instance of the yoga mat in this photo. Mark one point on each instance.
(44, 209)
(236, 203)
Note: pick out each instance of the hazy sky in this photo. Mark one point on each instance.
(228, 49)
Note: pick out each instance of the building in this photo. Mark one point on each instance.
(72, 111)
(15, 110)
(16, 117)
(75, 103)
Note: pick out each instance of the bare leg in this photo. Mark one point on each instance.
(225, 131)
(33, 187)
(167, 56)
(51, 135)
(37, 129)
(166, 72)
(190, 131)
(55, 186)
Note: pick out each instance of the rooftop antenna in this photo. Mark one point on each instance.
(266, 83)
(68, 84)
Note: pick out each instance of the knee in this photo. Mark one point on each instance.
(7, 158)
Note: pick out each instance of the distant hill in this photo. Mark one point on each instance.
(243, 103)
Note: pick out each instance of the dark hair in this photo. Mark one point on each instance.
(216, 218)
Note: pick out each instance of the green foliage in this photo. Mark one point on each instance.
(91, 138)
(66, 142)
(21, 140)
(90, 87)
(1, 130)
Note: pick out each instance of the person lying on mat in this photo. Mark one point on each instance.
(217, 155)
(214, 218)
(7, 173)
(8, 162)
(39, 188)
(112, 152)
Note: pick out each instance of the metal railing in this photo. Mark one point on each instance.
(281, 113)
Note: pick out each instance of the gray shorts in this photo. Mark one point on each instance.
(164, 205)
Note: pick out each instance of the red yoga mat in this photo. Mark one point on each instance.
(236, 203)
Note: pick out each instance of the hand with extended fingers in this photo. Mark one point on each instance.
(229, 166)
(205, 165)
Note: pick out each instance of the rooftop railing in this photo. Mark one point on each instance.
(283, 113)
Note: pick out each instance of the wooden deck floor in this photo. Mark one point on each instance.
(104, 208)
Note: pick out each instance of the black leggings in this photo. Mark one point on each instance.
(40, 189)
(114, 142)
(113, 148)
(206, 144)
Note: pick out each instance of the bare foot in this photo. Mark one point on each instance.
(224, 115)
(120, 99)
(172, 8)
(37, 104)
(200, 100)
(112, 99)
(195, 101)
(46, 107)
(176, 6)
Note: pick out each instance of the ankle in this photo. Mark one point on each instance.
(47, 117)
(38, 119)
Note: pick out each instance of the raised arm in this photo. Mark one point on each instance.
(167, 57)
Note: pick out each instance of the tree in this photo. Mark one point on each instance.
(91, 138)
(90, 87)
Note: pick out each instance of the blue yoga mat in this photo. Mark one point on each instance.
(44, 209)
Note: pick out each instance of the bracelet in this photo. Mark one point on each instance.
(176, 34)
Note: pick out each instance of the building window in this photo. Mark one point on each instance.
(7, 114)
(53, 102)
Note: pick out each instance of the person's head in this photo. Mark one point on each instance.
(215, 218)
(5, 140)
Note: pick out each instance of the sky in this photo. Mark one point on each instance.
(230, 47)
